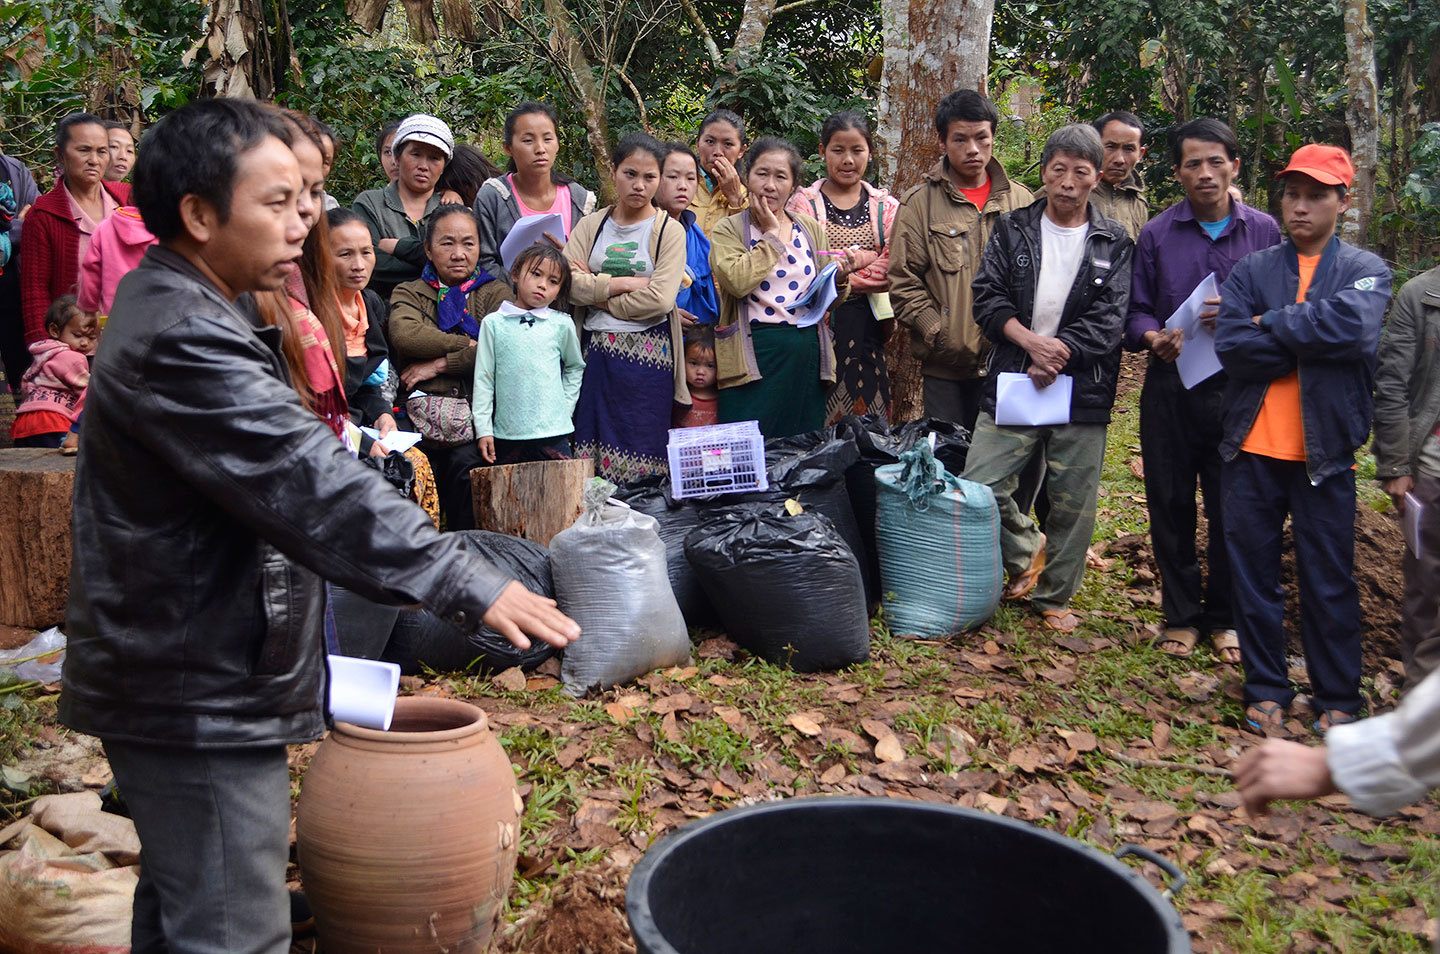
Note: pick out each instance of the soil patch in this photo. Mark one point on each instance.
(584, 913)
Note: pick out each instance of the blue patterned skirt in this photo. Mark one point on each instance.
(622, 419)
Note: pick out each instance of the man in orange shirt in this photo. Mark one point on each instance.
(1297, 332)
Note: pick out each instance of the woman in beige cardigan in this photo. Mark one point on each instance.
(774, 357)
(627, 263)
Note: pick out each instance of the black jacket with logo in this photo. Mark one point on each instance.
(1092, 322)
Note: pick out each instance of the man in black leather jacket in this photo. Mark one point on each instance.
(1051, 294)
(210, 505)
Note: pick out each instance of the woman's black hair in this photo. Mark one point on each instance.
(443, 212)
(525, 109)
(722, 116)
(544, 252)
(637, 142)
(61, 312)
(775, 144)
(196, 151)
(386, 131)
(843, 121)
(466, 172)
(339, 216)
(69, 122)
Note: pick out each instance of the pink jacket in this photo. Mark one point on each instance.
(871, 278)
(116, 247)
(56, 380)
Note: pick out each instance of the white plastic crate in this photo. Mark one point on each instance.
(717, 459)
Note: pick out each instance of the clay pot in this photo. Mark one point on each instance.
(407, 838)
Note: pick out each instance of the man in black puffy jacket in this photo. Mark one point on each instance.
(1051, 295)
(210, 506)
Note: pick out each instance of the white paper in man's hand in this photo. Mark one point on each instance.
(396, 442)
(1197, 360)
(1019, 402)
(1410, 523)
(527, 230)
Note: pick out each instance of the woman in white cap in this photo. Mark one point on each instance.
(396, 215)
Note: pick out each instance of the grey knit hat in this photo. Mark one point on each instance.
(421, 127)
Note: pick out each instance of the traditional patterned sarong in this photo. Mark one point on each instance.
(623, 417)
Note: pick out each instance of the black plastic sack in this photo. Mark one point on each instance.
(651, 495)
(816, 469)
(787, 588)
(397, 471)
(422, 639)
(952, 442)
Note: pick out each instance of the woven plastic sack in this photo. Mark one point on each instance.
(939, 542)
(651, 495)
(610, 577)
(421, 640)
(788, 588)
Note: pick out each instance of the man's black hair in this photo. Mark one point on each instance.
(1204, 129)
(965, 106)
(1122, 116)
(196, 151)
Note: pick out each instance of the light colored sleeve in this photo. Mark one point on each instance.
(1386, 762)
(586, 288)
(482, 400)
(572, 363)
(739, 271)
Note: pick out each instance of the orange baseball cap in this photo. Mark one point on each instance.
(1327, 164)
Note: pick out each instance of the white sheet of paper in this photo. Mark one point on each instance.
(527, 230)
(362, 691)
(1019, 402)
(397, 442)
(811, 306)
(1410, 523)
(1197, 360)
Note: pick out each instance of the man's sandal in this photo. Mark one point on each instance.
(1062, 620)
(1184, 637)
(1332, 717)
(1226, 644)
(1020, 587)
(1266, 718)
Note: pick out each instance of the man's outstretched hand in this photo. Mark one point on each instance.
(1278, 769)
(518, 614)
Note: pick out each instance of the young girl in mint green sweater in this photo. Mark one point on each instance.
(528, 366)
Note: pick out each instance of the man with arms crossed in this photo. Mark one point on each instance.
(210, 506)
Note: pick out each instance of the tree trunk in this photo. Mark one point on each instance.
(241, 62)
(932, 47)
(754, 21)
(35, 490)
(1363, 114)
(565, 48)
(1432, 87)
(534, 501)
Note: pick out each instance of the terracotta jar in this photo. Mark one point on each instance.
(407, 838)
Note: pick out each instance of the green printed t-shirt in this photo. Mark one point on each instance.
(621, 251)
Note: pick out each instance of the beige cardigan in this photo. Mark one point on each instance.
(667, 253)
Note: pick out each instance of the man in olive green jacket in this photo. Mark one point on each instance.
(1407, 457)
(939, 237)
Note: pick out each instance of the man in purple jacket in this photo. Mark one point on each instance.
(1180, 430)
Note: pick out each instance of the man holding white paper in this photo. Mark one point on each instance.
(1203, 234)
(1407, 459)
(1051, 294)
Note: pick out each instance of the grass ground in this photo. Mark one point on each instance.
(1098, 736)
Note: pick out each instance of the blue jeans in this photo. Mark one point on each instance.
(1258, 493)
(214, 827)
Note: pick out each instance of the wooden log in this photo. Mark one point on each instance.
(35, 489)
(534, 501)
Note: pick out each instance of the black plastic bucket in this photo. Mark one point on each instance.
(877, 875)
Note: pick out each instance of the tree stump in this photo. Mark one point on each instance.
(534, 501)
(35, 489)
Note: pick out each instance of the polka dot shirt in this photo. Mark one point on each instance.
(788, 282)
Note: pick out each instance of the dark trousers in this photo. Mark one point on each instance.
(955, 401)
(533, 450)
(1180, 433)
(1420, 622)
(54, 439)
(452, 466)
(1259, 492)
(214, 828)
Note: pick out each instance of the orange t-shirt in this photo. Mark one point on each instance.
(1279, 430)
(979, 195)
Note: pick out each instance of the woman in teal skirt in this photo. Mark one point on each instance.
(774, 355)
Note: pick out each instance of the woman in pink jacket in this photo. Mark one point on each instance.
(855, 215)
(116, 247)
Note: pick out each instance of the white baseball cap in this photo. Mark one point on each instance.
(422, 127)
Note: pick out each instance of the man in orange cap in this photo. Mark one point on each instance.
(1297, 332)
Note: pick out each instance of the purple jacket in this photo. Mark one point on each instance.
(1175, 253)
